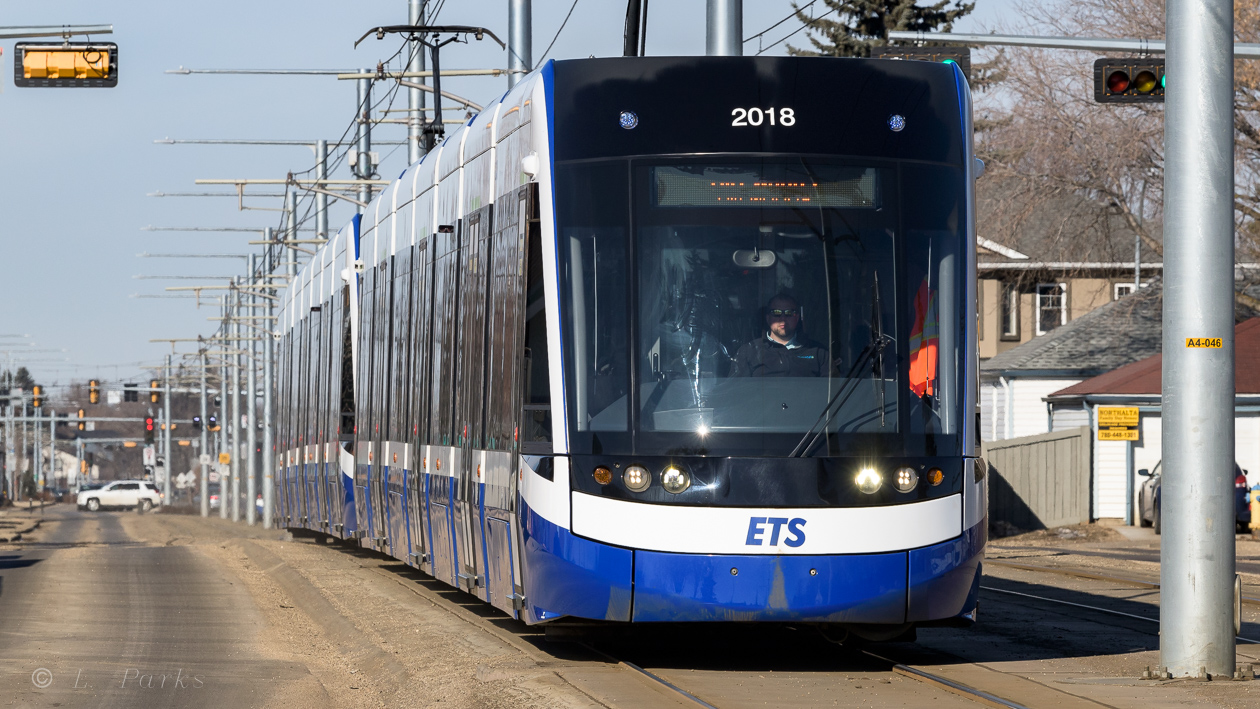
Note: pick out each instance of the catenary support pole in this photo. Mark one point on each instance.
(52, 450)
(225, 417)
(269, 415)
(321, 199)
(724, 28)
(38, 449)
(415, 97)
(363, 162)
(290, 232)
(520, 40)
(169, 456)
(235, 420)
(1197, 553)
(205, 441)
(251, 402)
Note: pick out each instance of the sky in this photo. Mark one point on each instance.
(77, 165)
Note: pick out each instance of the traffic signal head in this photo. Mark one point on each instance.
(94, 392)
(148, 429)
(212, 422)
(37, 396)
(155, 393)
(82, 425)
(944, 55)
(1129, 80)
(197, 423)
(61, 64)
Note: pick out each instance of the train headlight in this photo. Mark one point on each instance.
(868, 480)
(675, 480)
(935, 476)
(907, 479)
(637, 478)
(603, 475)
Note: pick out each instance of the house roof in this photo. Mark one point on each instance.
(1144, 377)
(1111, 336)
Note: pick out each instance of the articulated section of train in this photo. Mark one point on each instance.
(661, 339)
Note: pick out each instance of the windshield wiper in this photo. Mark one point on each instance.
(874, 351)
(870, 352)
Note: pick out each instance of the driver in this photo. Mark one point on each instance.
(783, 351)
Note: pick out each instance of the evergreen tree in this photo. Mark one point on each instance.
(23, 379)
(851, 27)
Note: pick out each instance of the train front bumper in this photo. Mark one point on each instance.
(570, 575)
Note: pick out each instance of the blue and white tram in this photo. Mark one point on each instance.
(661, 339)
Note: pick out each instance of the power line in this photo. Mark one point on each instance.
(553, 39)
(794, 14)
(802, 27)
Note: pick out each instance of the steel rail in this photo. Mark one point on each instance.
(1249, 600)
(1096, 609)
(949, 685)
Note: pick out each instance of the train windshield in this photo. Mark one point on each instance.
(763, 307)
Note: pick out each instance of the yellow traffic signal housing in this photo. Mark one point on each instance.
(58, 64)
(94, 392)
(37, 396)
(155, 392)
(82, 425)
(1129, 80)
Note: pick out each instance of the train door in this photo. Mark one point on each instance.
(505, 358)
(381, 375)
(470, 401)
(314, 420)
(363, 410)
(400, 433)
(417, 382)
(346, 413)
(440, 480)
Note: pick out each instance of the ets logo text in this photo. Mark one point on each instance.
(768, 530)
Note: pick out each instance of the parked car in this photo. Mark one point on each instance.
(1149, 499)
(121, 494)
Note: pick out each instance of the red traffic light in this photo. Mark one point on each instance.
(1118, 82)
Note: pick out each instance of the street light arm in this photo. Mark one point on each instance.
(477, 32)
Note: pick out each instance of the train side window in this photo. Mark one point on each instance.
(536, 397)
(347, 408)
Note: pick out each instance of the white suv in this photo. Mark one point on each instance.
(121, 494)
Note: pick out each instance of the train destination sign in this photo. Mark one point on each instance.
(1117, 423)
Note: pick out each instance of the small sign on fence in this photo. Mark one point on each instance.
(1118, 423)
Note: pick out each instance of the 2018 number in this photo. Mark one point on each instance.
(757, 116)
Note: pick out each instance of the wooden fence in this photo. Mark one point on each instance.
(1040, 481)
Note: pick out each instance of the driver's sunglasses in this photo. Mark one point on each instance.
(789, 313)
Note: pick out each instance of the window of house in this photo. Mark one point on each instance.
(1121, 290)
(1009, 308)
(1051, 306)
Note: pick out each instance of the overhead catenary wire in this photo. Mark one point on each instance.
(557, 35)
(803, 26)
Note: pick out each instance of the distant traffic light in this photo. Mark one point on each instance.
(197, 423)
(1129, 80)
(155, 392)
(212, 423)
(944, 55)
(82, 423)
(131, 392)
(83, 467)
(62, 64)
(148, 429)
(37, 394)
(94, 392)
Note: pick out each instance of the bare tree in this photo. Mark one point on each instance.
(1043, 132)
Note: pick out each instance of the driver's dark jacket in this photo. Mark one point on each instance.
(763, 357)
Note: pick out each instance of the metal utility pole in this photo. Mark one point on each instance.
(724, 28)
(169, 463)
(10, 452)
(39, 454)
(415, 97)
(225, 412)
(520, 40)
(235, 421)
(251, 402)
(205, 441)
(321, 199)
(363, 162)
(1197, 564)
(52, 450)
(269, 439)
(290, 232)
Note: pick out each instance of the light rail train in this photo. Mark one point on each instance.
(661, 339)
